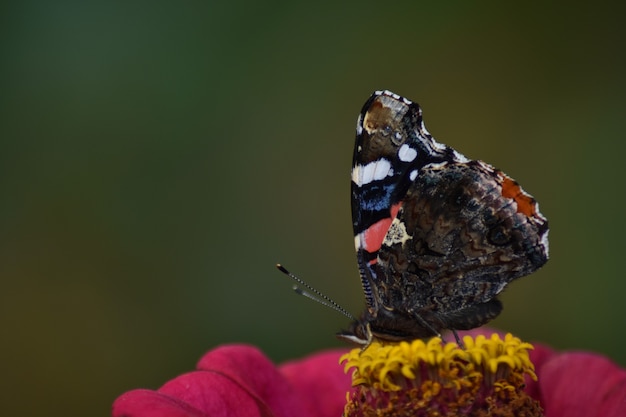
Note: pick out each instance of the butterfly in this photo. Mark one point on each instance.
(437, 235)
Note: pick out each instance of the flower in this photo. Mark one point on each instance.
(238, 380)
(573, 384)
(483, 378)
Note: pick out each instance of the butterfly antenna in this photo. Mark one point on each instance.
(313, 294)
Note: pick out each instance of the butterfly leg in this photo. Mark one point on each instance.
(458, 339)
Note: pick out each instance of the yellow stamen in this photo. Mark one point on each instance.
(433, 379)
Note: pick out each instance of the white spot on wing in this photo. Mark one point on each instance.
(438, 146)
(436, 165)
(357, 241)
(413, 175)
(489, 168)
(393, 95)
(459, 157)
(374, 171)
(356, 173)
(406, 153)
(382, 169)
(541, 216)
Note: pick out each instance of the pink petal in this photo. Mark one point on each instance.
(196, 394)
(215, 395)
(148, 403)
(232, 380)
(583, 384)
(253, 371)
(321, 380)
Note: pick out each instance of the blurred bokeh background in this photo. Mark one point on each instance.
(158, 158)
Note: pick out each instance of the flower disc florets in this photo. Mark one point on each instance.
(484, 378)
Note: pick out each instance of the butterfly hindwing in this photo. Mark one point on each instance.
(455, 244)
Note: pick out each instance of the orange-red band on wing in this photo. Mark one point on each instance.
(375, 234)
(525, 203)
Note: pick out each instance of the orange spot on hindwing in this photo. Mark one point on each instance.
(525, 203)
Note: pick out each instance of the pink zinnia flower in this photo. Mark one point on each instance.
(238, 380)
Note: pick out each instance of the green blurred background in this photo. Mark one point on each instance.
(158, 158)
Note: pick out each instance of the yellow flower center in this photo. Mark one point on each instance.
(484, 378)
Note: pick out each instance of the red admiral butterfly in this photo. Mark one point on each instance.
(438, 236)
